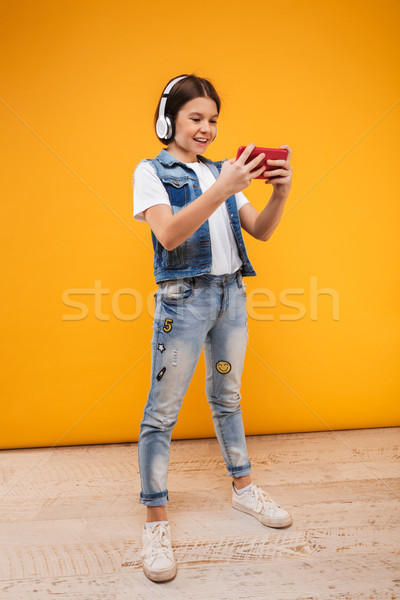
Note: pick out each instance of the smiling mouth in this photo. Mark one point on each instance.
(200, 140)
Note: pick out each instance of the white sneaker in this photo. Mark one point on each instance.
(158, 559)
(258, 503)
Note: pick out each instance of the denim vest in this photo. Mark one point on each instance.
(193, 256)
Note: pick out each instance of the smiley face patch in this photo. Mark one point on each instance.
(223, 367)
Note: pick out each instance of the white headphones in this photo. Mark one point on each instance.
(164, 126)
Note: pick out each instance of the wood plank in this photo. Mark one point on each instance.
(336, 578)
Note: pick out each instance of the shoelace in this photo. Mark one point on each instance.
(263, 498)
(160, 545)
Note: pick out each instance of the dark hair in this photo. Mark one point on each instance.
(184, 90)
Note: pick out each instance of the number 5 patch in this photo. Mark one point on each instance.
(168, 325)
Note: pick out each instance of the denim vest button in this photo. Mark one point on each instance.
(175, 182)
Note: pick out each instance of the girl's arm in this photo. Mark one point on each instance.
(171, 230)
(262, 225)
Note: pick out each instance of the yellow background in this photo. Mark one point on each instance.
(79, 86)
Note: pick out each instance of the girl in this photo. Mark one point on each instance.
(196, 209)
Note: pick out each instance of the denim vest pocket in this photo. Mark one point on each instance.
(177, 189)
(174, 258)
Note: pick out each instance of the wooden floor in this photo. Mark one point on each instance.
(71, 521)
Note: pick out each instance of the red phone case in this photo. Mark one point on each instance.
(270, 153)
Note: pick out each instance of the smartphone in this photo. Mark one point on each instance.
(270, 153)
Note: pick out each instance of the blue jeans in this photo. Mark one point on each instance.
(191, 313)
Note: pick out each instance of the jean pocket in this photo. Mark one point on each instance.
(176, 292)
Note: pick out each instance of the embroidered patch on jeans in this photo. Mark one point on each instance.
(161, 373)
(161, 348)
(167, 325)
(223, 367)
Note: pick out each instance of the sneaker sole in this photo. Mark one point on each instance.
(282, 522)
(164, 575)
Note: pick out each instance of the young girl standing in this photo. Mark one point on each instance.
(196, 209)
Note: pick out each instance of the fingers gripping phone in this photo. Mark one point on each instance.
(270, 153)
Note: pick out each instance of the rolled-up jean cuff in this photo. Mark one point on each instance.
(239, 471)
(156, 499)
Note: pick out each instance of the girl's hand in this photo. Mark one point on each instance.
(235, 176)
(281, 178)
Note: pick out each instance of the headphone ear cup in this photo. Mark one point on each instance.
(171, 129)
(161, 127)
(165, 128)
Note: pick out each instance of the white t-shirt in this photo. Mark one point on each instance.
(148, 190)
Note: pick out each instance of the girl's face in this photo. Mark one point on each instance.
(195, 128)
